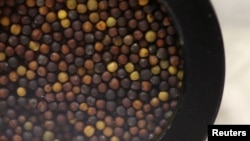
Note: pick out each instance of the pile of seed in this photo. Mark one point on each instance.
(87, 70)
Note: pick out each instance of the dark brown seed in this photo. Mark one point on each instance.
(13, 62)
(112, 32)
(42, 59)
(13, 41)
(155, 26)
(143, 25)
(172, 80)
(121, 21)
(121, 73)
(128, 14)
(110, 106)
(162, 53)
(79, 51)
(89, 49)
(139, 15)
(42, 106)
(3, 37)
(121, 111)
(99, 35)
(112, 3)
(134, 58)
(36, 34)
(110, 95)
(51, 67)
(55, 46)
(68, 33)
(115, 12)
(132, 23)
(25, 20)
(133, 3)
(78, 35)
(126, 102)
(122, 31)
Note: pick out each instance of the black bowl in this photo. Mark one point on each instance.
(204, 69)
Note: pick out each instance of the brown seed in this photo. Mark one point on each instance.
(36, 34)
(94, 17)
(87, 79)
(13, 76)
(96, 57)
(51, 17)
(89, 64)
(101, 25)
(114, 84)
(137, 104)
(4, 93)
(44, 48)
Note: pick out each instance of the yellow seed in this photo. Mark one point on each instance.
(156, 70)
(21, 91)
(28, 125)
(150, 36)
(30, 75)
(154, 102)
(180, 74)
(114, 138)
(150, 18)
(34, 45)
(112, 66)
(62, 14)
(179, 85)
(2, 56)
(48, 135)
(71, 4)
(92, 5)
(172, 70)
(83, 106)
(89, 131)
(163, 95)
(100, 125)
(15, 29)
(111, 21)
(65, 23)
(57, 87)
(143, 2)
(143, 52)
(134, 75)
(72, 121)
(129, 67)
(62, 77)
(108, 131)
(81, 8)
(5, 21)
(21, 70)
(164, 64)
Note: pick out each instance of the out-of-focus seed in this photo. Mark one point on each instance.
(21, 91)
(89, 131)
(71, 4)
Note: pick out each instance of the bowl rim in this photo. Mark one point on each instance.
(204, 68)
